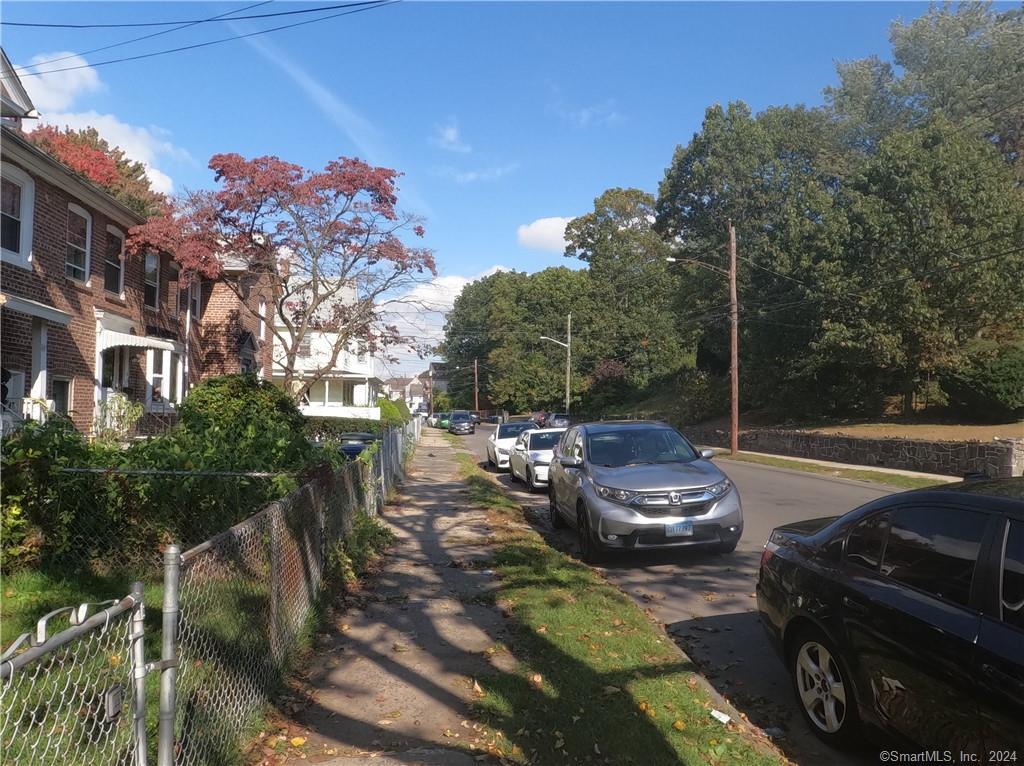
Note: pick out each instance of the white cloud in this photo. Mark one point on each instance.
(55, 94)
(603, 113)
(448, 138)
(473, 176)
(420, 315)
(360, 131)
(544, 234)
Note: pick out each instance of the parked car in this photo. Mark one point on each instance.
(461, 423)
(443, 418)
(556, 420)
(354, 442)
(633, 485)
(432, 420)
(531, 456)
(907, 615)
(476, 417)
(499, 443)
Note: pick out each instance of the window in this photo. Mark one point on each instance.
(1013, 576)
(152, 280)
(195, 297)
(12, 387)
(172, 387)
(263, 320)
(156, 376)
(934, 550)
(107, 373)
(318, 392)
(79, 236)
(304, 347)
(336, 392)
(113, 262)
(864, 545)
(17, 197)
(61, 396)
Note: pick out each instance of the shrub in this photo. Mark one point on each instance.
(390, 414)
(323, 429)
(990, 386)
(403, 410)
(255, 421)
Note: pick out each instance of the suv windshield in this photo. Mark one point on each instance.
(511, 430)
(544, 441)
(460, 417)
(638, 446)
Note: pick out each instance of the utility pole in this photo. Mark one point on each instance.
(734, 343)
(476, 387)
(568, 358)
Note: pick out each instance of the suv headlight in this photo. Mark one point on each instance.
(502, 451)
(721, 489)
(615, 495)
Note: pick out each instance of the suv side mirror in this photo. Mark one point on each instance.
(707, 454)
(571, 461)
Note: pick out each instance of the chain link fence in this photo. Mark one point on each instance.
(235, 608)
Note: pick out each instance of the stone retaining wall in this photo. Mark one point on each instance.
(999, 457)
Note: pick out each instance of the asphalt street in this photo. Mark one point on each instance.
(706, 600)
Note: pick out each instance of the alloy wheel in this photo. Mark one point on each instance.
(821, 687)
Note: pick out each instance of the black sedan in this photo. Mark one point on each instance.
(461, 423)
(906, 615)
(352, 443)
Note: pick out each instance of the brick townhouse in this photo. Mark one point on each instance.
(80, 319)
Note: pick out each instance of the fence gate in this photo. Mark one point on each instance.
(77, 697)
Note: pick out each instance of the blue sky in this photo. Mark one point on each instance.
(499, 114)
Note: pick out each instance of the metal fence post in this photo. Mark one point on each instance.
(169, 656)
(138, 655)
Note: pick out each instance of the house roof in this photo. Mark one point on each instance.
(15, 101)
(398, 382)
(19, 149)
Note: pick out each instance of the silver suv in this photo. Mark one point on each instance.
(640, 485)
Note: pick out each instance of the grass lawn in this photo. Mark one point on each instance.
(596, 682)
(862, 474)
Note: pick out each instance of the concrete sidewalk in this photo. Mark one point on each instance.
(394, 677)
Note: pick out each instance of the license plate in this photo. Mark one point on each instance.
(679, 529)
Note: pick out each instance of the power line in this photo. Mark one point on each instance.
(136, 39)
(368, 6)
(189, 22)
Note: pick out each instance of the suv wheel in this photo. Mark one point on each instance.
(590, 550)
(823, 689)
(556, 518)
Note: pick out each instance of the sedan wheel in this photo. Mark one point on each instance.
(826, 699)
(556, 518)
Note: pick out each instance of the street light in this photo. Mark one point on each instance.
(568, 355)
(734, 322)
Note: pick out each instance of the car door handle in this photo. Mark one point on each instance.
(854, 605)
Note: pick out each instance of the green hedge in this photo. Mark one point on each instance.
(330, 428)
(990, 387)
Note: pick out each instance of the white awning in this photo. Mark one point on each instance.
(109, 339)
(35, 309)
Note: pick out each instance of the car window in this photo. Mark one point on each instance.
(864, 545)
(934, 549)
(576, 448)
(544, 441)
(1013, 576)
(636, 446)
(510, 430)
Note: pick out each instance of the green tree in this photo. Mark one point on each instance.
(963, 62)
(630, 279)
(934, 254)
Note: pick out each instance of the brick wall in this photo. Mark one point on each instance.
(71, 350)
(999, 457)
(225, 320)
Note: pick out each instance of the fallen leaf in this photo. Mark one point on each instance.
(559, 744)
(678, 725)
(597, 749)
(476, 687)
(536, 680)
(297, 741)
(612, 690)
(399, 647)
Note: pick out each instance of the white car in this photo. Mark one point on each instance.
(531, 456)
(432, 420)
(499, 443)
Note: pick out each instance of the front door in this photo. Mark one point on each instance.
(912, 626)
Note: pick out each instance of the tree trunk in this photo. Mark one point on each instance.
(908, 397)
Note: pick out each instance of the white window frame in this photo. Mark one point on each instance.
(263, 320)
(166, 402)
(71, 392)
(83, 213)
(23, 256)
(113, 230)
(145, 270)
(15, 391)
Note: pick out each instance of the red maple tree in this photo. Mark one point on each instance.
(326, 244)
